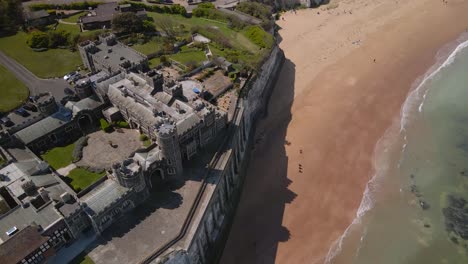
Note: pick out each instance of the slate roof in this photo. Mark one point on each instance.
(102, 196)
(89, 103)
(32, 15)
(102, 13)
(45, 126)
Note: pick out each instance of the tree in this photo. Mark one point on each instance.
(127, 22)
(148, 26)
(58, 38)
(11, 15)
(38, 40)
(167, 26)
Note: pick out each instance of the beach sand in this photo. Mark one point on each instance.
(332, 102)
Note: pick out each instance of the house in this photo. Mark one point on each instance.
(37, 18)
(102, 16)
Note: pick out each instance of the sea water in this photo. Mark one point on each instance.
(421, 170)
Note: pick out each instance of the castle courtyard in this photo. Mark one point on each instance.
(105, 149)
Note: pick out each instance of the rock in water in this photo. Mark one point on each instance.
(424, 205)
(456, 217)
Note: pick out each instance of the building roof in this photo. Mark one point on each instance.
(89, 103)
(45, 126)
(21, 245)
(32, 15)
(21, 218)
(103, 13)
(103, 195)
(115, 54)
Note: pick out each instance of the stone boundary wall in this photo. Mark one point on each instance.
(209, 228)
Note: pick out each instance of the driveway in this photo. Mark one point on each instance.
(35, 84)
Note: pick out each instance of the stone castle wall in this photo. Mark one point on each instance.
(207, 233)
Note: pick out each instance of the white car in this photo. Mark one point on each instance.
(68, 76)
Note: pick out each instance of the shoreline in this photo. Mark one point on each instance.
(388, 147)
(336, 115)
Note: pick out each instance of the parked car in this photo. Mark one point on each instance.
(6, 121)
(22, 112)
(70, 75)
(30, 107)
(75, 78)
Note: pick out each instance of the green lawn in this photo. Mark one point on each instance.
(59, 157)
(50, 63)
(74, 18)
(242, 50)
(80, 178)
(13, 92)
(152, 46)
(237, 38)
(186, 55)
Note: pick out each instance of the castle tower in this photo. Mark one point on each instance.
(46, 104)
(129, 174)
(168, 141)
(83, 88)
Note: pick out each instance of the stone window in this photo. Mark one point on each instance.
(171, 171)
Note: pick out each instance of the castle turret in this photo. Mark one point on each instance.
(46, 104)
(168, 141)
(83, 88)
(128, 174)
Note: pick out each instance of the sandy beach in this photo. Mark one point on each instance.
(347, 73)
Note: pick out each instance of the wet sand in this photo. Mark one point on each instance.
(332, 102)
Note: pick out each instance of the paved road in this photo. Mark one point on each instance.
(35, 84)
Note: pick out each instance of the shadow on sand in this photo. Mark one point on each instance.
(257, 227)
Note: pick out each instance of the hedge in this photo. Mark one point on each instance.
(172, 9)
(72, 6)
(78, 150)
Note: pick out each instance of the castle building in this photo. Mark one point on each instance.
(110, 55)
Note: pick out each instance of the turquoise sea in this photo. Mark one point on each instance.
(415, 208)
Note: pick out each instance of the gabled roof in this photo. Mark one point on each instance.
(32, 15)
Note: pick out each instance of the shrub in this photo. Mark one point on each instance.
(77, 153)
(254, 9)
(122, 124)
(59, 38)
(105, 125)
(143, 137)
(127, 22)
(38, 40)
(258, 36)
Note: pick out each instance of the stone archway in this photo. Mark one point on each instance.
(85, 122)
(156, 178)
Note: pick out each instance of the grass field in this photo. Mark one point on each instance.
(50, 63)
(152, 46)
(59, 157)
(13, 92)
(80, 178)
(237, 38)
(241, 49)
(187, 55)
